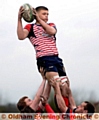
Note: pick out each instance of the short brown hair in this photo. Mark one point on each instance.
(21, 103)
(41, 8)
(89, 107)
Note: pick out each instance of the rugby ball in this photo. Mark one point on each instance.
(28, 13)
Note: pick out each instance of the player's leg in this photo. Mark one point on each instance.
(63, 79)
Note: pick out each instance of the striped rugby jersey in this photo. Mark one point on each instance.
(44, 44)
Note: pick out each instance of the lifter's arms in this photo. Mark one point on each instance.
(47, 90)
(21, 32)
(59, 98)
(40, 90)
(71, 100)
(49, 29)
(44, 98)
(70, 96)
(37, 98)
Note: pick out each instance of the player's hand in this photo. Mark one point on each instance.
(21, 11)
(53, 83)
(43, 100)
(68, 82)
(36, 15)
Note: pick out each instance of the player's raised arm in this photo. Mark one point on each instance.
(39, 92)
(21, 32)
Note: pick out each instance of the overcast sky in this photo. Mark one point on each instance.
(77, 22)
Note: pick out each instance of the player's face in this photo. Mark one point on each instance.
(43, 14)
(28, 101)
(80, 108)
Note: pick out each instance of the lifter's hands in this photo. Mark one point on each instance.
(54, 83)
(43, 100)
(68, 82)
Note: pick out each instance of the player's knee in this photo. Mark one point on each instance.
(63, 80)
(52, 75)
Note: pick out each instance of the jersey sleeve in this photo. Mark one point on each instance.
(53, 25)
(48, 109)
(28, 27)
(66, 100)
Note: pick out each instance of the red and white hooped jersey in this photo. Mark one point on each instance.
(44, 44)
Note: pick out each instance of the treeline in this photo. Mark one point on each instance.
(8, 108)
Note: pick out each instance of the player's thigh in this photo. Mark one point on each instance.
(51, 75)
